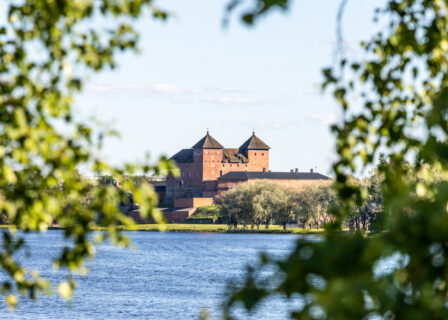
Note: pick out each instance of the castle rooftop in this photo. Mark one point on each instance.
(208, 142)
(254, 143)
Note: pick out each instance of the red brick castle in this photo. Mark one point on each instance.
(202, 165)
(208, 168)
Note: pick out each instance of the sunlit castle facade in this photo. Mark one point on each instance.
(208, 169)
(202, 165)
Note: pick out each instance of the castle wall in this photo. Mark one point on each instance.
(258, 160)
(190, 173)
(193, 202)
(211, 163)
(230, 167)
(199, 178)
(182, 192)
(224, 186)
(189, 183)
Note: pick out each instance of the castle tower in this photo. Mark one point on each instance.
(207, 155)
(257, 153)
(202, 165)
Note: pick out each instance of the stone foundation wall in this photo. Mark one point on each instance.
(182, 192)
(192, 202)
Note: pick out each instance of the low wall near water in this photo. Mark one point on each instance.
(171, 215)
(192, 202)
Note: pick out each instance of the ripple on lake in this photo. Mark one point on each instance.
(167, 276)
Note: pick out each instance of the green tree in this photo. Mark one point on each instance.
(402, 85)
(312, 205)
(325, 200)
(307, 207)
(246, 203)
(41, 142)
(230, 209)
(285, 206)
(252, 203)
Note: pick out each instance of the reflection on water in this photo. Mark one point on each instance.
(167, 276)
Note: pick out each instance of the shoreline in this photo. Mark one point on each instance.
(212, 228)
(201, 228)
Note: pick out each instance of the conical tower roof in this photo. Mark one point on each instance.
(254, 143)
(208, 142)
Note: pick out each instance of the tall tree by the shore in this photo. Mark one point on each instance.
(252, 203)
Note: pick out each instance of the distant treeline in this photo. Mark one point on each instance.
(253, 204)
(264, 203)
(137, 180)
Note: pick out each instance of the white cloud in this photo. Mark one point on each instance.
(269, 124)
(120, 88)
(324, 119)
(236, 100)
(135, 88)
(166, 88)
(277, 124)
(244, 100)
(155, 88)
(184, 94)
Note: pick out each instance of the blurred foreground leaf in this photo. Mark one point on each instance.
(394, 101)
(47, 49)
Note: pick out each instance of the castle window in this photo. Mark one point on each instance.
(255, 153)
(230, 164)
(237, 165)
(246, 164)
(262, 154)
(223, 164)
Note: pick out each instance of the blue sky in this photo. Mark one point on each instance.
(193, 74)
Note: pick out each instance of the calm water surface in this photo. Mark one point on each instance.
(166, 276)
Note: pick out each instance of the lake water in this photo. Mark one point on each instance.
(167, 276)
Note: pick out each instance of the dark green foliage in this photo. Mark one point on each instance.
(251, 203)
(206, 213)
(401, 82)
(138, 180)
(41, 143)
(263, 202)
(258, 9)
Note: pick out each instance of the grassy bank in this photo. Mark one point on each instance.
(219, 228)
(190, 227)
